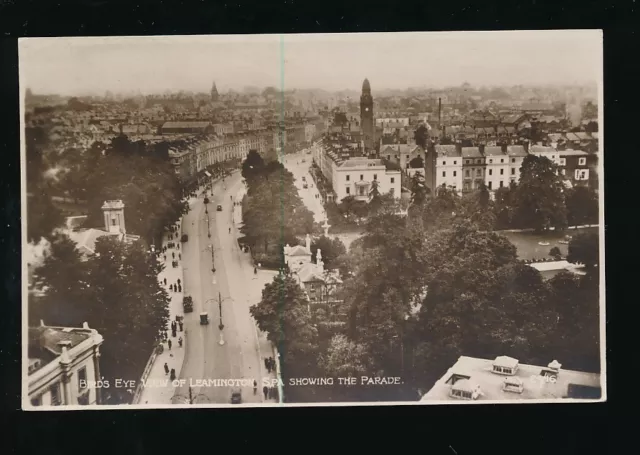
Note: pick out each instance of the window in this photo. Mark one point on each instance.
(455, 173)
(455, 162)
(478, 161)
(393, 179)
(501, 171)
(490, 161)
(36, 401)
(490, 171)
(82, 378)
(444, 173)
(444, 163)
(501, 183)
(479, 172)
(55, 394)
(389, 157)
(113, 221)
(563, 161)
(582, 174)
(454, 187)
(348, 190)
(490, 182)
(348, 177)
(375, 176)
(513, 160)
(468, 161)
(466, 173)
(361, 177)
(582, 161)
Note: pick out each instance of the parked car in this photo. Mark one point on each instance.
(305, 186)
(184, 238)
(236, 397)
(219, 209)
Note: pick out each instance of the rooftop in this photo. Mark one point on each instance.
(493, 151)
(536, 386)
(186, 124)
(516, 150)
(573, 153)
(471, 152)
(47, 343)
(449, 151)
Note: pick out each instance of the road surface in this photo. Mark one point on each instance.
(310, 196)
(240, 356)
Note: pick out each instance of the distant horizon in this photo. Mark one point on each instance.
(90, 66)
(130, 93)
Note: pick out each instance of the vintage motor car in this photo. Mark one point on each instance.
(204, 318)
(187, 304)
(236, 397)
(219, 209)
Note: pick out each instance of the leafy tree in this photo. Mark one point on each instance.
(417, 163)
(375, 198)
(555, 253)
(63, 279)
(582, 206)
(584, 249)
(43, 217)
(504, 206)
(252, 165)
(479, 208)
(346, 358)
(420, 136)
(331, 250)
(283, 313)
(539, 197)
(419, 190)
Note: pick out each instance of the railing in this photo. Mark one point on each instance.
(145, 374)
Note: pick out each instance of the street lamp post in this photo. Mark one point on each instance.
(221, 342)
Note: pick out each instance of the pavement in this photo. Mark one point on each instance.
(310, 196)
(161, 394)
(225, 295)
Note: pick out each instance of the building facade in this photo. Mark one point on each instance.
(64, 366)
(473, 168)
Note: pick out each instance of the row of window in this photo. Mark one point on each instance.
(361, 190)
(375, 177)
(56, 390)
(467, 172)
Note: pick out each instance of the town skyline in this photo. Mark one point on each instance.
(91, 66)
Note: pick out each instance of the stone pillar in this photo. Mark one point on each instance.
(65, 363)
(96, 369)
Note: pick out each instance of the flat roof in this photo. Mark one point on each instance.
(536, 387)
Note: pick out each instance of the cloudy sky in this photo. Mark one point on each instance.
(77, 66)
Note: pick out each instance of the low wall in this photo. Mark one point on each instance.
(276, 356)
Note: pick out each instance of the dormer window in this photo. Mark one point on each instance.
(513, 384)
(505, 365)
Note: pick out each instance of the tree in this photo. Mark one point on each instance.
(346, 358)
(127, 305)
(375, 199)
(555, 253)
(582, 206)
(283, 313)
(417, 163)
(584, 248)
(419, 190)
(252, 166)
(63, 279)
(421, 135)
(331, 249)
(504, 206)
(539, 196)
(43, 217)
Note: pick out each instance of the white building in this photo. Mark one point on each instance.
(548, 152)
(498, 169)
(63, 365)
(355, 177)
(516, 154)
(445, 168)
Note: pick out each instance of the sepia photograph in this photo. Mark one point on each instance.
(312, 220)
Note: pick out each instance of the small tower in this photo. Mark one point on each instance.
(308, 243)
(366, 117)
(114, 217)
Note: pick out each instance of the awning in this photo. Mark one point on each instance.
(207, 173)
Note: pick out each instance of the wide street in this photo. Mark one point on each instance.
(241, 356)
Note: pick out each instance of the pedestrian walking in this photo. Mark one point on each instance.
(171, 287)
(166, 368)
(173, 374)
(179, 288)
(173, 325)
(169, 343)
(265, 390)
(266, 364)
(255, 386)
(181, 326)
(173, 333)
(179, 282)
(165, 258)
(173, 255)
(165, 281)
(180, 341)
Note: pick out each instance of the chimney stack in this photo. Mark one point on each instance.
(439, 113)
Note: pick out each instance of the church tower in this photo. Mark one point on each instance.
(114, 217)
(367, 126)
(214, 93)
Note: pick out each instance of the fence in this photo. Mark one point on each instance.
(145, 374)
(276, 356)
